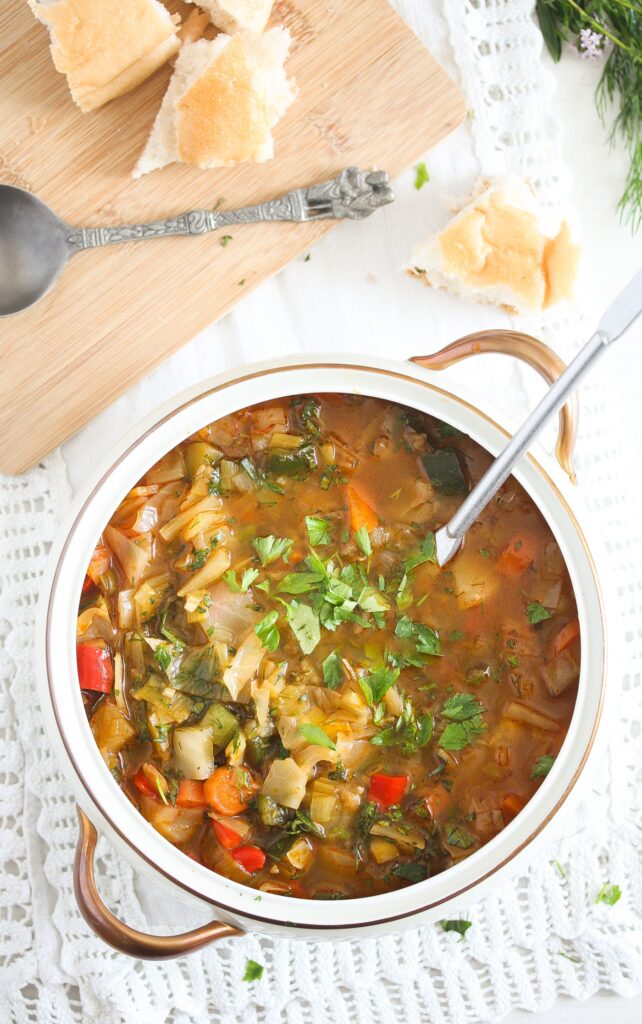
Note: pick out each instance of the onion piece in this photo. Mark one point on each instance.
(230, 616)
(134, 555)
(211, 503)
(217, 563)
(244, 665)
(170, 467)
(529, 716)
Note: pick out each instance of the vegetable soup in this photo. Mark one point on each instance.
(286, 684)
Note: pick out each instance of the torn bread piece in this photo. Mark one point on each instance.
(237, 15)
(501, 248)
(107, 47)
(224, 98)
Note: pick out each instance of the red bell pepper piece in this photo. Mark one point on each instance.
(227, 837)
(387, 790)
(95, 669)
(144, 786)
(251, 858)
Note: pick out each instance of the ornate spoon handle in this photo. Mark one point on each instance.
(353, 194)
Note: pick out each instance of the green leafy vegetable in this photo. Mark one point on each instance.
(376, 684)
(271, 548)
(267, 632)
(305, 625)
(426, 639)
(412, 871)
(609, 894)
(315, 734)
(373, 600)
(253, 971)
(247, 580)
(300, 582)
(458, 925)
(421, 175)
(362, 537)
(302, 822)
(461, 706)
(409, 731)
(332, 670)
(542, 766)
(456, 835)
(537, 612)
(427, 552)
(318, 529)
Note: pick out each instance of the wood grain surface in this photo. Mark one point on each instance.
(370, 95)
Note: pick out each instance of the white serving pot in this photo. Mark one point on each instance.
(101, 802)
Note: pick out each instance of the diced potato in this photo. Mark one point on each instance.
(194, 751)
(474, 581)
(383, 850)
(285, 783)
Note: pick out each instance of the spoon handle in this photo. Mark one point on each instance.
(352, 194)
(615, 321)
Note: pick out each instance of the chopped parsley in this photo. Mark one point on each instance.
(315, 734)
(426, 552)
(332, 670)
(271, 548)
(456, 835)
(225, 240)
(458, 925)
(247, 579)
(542, 766)
(537, 612)
(609, 894)
(421, 175)
(362, 538)
(411, 871)
(253, 971)
(426, 639)
(267, 632)
(376, 684)
(466, 722)
(318, 529)
(304, 624)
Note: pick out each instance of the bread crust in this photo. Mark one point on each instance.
(107, 47)
(237, 15)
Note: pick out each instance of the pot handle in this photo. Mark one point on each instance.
(523, 346)
(115, 932)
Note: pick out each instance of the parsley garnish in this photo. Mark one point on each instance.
(247, 579)
(410, 871)
(542, 766)
(225, 240)
(376, 684)
(271, 548)
(426, 639)
(466, 723)
(304, 624)
(362, 538)
(426, 552)
(315, 734)
(253, 971)
(332, 670)
(456, 835)
(537, 612)
(609, 894)
(409, 732)
(318, 531)
(460, 926)
(267, 632)
(421, 175)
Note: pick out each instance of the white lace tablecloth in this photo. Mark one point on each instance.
(350, 296)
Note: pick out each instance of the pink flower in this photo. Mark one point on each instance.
(590, 44)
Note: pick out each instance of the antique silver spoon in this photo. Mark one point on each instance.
(35, 244)
(618, 317)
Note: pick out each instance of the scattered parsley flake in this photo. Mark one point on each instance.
(271, 548)
(362, 538)
(253, 970)
(315, 734)
(318, 529)
(537, 612)
(542, 766)
(267, 632)
(609, 894)
(225, 240)
(421, 175)
(459, 925)
(332, 670)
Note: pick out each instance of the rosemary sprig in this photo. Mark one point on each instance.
(614, 28)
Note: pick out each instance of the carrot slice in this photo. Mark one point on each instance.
(360, 512)
(190, 794)
(99, 563)
(437, 800)
(565, 637)
(229, 789)
(511, 805)
(518, 555)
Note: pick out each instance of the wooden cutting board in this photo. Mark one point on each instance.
(370, 95)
